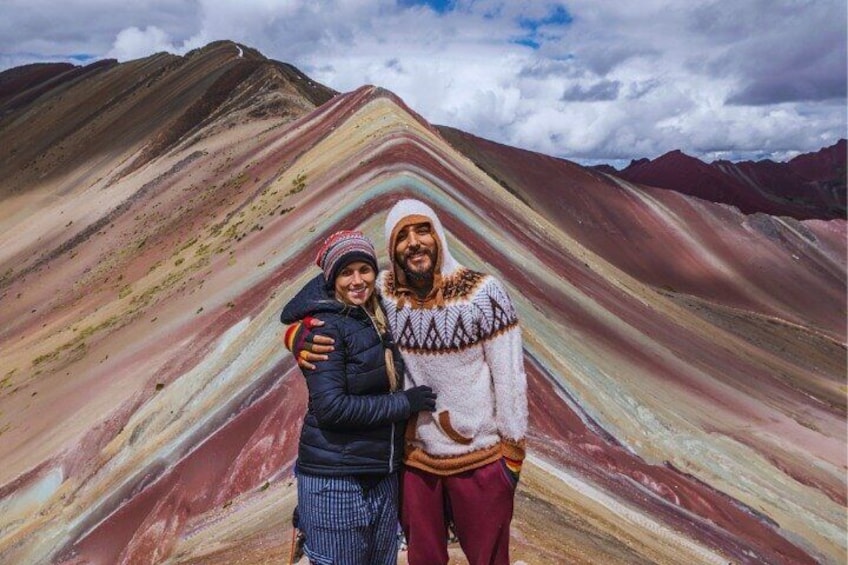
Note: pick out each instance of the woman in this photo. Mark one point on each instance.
(351, 444)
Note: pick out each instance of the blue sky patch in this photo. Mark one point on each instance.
(527, 42)
(439, 6)
(559, 16)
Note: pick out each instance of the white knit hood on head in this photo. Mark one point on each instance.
(403, 210)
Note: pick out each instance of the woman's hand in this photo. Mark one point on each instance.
(421, 399)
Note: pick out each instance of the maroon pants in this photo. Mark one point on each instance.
(480, 501)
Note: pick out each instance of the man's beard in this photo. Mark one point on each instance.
(420, 278)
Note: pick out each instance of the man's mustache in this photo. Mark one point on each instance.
(412, 274)
(410, 252)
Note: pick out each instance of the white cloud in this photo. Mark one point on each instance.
(134, 43)
(609, 80)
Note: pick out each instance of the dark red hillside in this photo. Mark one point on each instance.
(827, 164)
(810, 186)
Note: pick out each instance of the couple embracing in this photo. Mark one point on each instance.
(417, 400)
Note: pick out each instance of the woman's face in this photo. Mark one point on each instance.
(355, 283)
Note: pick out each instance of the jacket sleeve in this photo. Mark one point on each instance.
(505, 356)
(334, 408)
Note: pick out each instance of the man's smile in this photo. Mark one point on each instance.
(419, 260)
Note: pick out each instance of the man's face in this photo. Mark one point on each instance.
(415, 250)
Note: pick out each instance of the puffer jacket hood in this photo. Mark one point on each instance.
(313, 299)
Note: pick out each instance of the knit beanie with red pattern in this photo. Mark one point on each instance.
(341, 249)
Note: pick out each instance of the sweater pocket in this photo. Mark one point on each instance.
(447, 427)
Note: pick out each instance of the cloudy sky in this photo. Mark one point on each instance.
(588, 80)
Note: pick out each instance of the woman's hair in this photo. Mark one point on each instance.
(372, 306)
(375, 312)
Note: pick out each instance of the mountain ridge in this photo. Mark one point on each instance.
(591, 207)
(150, 412)
(39, 150)
(811, 185)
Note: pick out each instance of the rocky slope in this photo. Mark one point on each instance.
(157, 214)
(809, 186)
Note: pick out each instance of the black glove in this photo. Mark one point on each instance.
(421, 398)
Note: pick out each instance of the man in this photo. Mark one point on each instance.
(458, 333)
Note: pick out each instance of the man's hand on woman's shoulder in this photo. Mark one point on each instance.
(307, 346)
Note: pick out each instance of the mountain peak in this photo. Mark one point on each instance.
(155, 103)
(826, 164)
(809, 186)
(158, 214)
(228, 47)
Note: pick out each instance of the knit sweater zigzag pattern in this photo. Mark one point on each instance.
(476, 309)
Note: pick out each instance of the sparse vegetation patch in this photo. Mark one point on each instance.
(298, 184)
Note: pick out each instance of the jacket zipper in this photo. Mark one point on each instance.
(392, 431)
(392, 449)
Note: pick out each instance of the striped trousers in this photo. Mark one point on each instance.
(345, 524)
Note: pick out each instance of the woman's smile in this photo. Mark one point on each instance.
(355, 283)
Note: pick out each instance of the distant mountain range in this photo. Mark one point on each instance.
(686, 358)
(812, 185)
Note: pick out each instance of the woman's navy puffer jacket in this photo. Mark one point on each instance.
(353, 425)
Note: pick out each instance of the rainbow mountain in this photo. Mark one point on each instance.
(686, 361)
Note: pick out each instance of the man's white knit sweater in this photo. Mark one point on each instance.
(463, 340)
